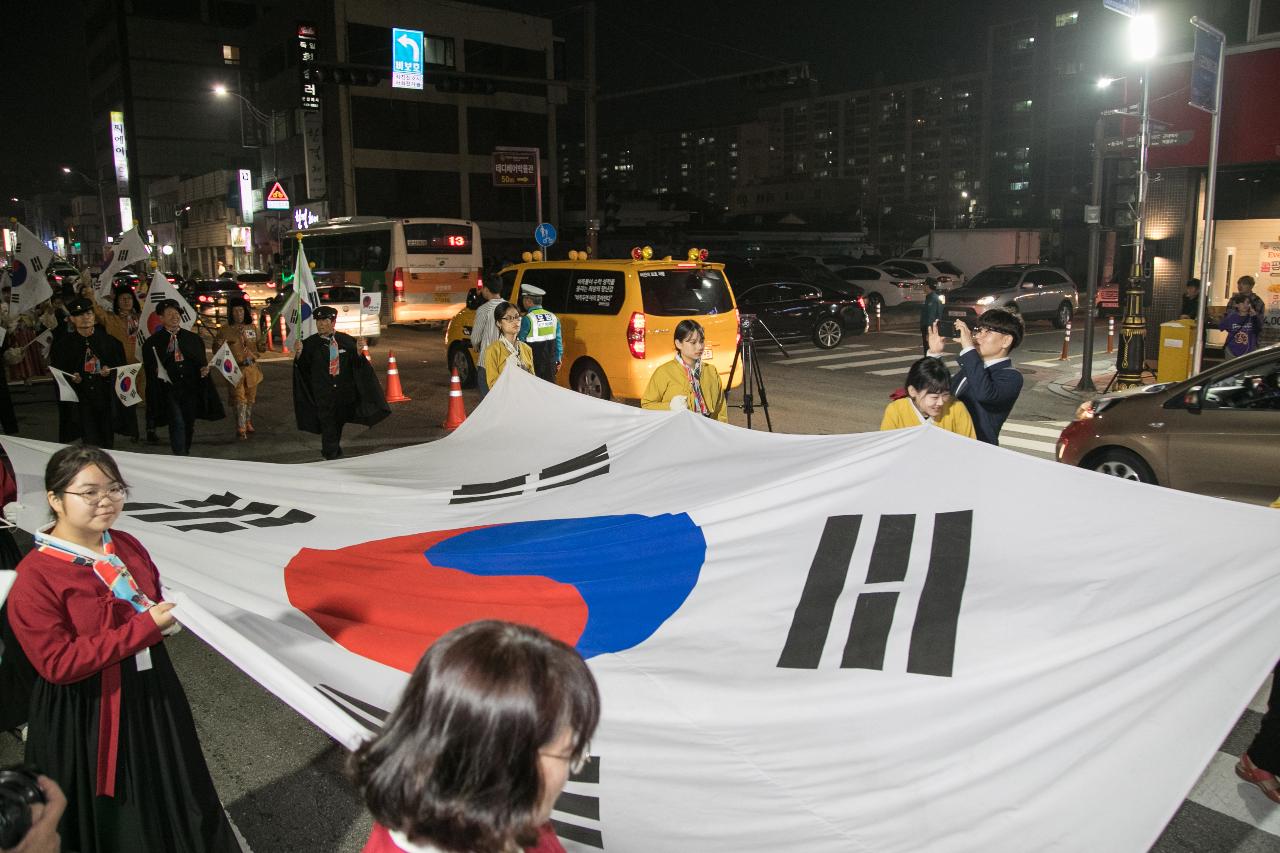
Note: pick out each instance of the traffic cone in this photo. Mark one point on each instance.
(364, 351)
(271, 343)
(1066, 343)
(395, 394)
(284, 336)
(457, 414)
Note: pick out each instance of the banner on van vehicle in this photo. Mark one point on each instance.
(894, 641)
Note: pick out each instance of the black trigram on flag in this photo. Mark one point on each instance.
(590, 464)
(933, 635)
(576, 814)
(214, 514)
(370, 716)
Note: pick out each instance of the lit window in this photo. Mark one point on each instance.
(1022, 106)
(1067, 19)
(1025, 43)
(230, 54)
(1018, 186)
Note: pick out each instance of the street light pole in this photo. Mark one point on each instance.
(102, 207)
(1133, 328)
(1211, 187)
(1091, 289)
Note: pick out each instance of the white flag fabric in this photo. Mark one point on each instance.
(128, 250)
(161, 373)
(225, 363)
(300, 312)
(815, 643)
(159, 291)
(127, 384)
(66, 390)
(29, 280)
(44, 341)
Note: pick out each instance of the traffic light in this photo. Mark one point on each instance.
(351, 75)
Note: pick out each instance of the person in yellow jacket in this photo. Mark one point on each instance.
(499, 353)
(240, 334)
(929, 400)
(685, 381)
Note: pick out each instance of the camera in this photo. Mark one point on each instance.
(947, 326)
(19, 791)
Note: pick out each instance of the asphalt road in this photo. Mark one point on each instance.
(282, 780)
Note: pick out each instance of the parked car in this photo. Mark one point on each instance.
(886, 287)
(947, 274)
(259, 288)
(354, 318)
(792, 309)
(1217, 433)
(1107, 299)
(1032, 290)
(62, 278)
(209, 296)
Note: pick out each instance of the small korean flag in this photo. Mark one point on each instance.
(127, 384)
(66, 391)
(225, 363)
(44, 341)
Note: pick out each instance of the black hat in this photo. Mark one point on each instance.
(326, 312)
(165, 304)
(79, 306)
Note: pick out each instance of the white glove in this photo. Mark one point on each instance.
(12, 510)
(678, 402)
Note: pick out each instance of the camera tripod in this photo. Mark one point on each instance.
(752, 380)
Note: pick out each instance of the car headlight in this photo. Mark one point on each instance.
(1093, 408)
(986, 300)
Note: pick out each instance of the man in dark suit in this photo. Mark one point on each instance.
(987, 383)
(333, 385)
(88, 355)
(178, 377)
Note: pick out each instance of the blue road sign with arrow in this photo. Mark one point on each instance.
(406, 59)
(545, 234)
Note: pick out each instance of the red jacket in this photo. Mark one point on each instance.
(380, 842)
(72, 627)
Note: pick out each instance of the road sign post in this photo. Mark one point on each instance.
(406, 59)
(1207, 68)
(545, 235)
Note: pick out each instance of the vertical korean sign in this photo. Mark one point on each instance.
(1267, 286)
(1204, 70)
(120, 157)
(406, 59)
(308, 78)
(246, 196)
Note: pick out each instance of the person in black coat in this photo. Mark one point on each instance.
(178, 375)
(988, 384)
(333, 385)
(87, 355)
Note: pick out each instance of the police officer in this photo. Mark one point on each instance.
(87, 356)
(540, 329)
(333, 385)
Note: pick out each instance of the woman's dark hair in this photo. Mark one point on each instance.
(501, 311)
(686, 329)
(929, 375)
(457, 762)
(242, 304)
(71, 460)
(124, 291)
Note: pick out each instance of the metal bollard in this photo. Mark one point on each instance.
(877, 315)
(1111, 334)
(1066, 342)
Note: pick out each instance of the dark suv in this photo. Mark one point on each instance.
(209, 296)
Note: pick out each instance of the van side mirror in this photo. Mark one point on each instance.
(1191, 400)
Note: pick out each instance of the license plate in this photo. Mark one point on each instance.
(955, 313)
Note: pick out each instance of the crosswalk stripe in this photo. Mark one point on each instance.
(1222, 791)
(827, 357)
(1053, 362)
(853, 364)
(1033, 430)
(897, 371)
(1027, 444)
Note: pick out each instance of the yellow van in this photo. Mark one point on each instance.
(618, 319)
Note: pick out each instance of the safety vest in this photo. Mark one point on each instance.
(542, 326)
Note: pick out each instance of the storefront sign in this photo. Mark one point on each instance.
(1267, 286)
(305, 217)
(313, 154)
(309, 96)
(120, 157)
(246, 196)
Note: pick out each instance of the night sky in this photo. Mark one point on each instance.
(640, 44)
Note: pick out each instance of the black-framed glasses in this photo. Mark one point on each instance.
(93, 497)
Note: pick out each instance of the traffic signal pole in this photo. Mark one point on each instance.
(1091, 289)
(1133, 330)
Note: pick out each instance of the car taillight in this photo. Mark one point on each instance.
(862, 303)
(635, 335)
(397, 284)
(203, 298)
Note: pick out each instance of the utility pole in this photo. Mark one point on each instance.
(1091, 289)
(592, 169)
(1211, 188)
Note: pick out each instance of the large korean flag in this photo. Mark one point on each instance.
(159, 291)
(901, 641)
(301, 308)
(129, 250)
(29, 280)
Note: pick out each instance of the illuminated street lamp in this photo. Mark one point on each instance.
(98, 184)
(1131, 360)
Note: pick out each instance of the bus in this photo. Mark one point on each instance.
(423, 267)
